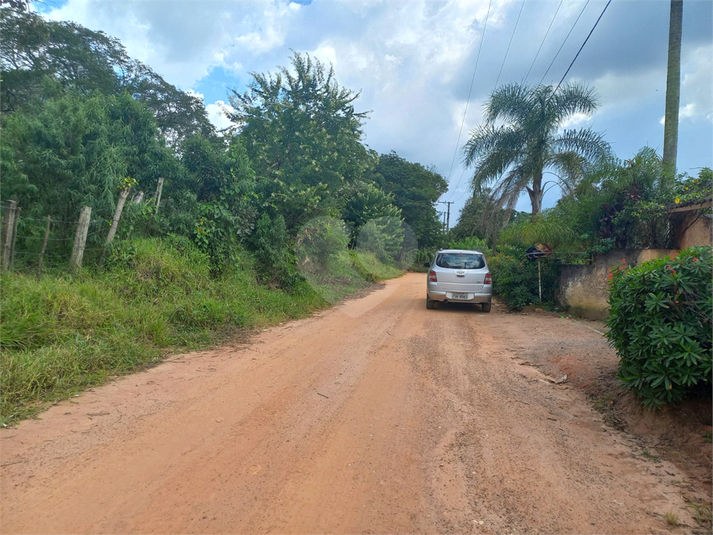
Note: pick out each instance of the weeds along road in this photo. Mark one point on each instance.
(377, 416)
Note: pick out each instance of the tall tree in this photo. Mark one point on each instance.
(415, 189)
(513, 156)
(41, 58)
(303, 137)
(673, 87)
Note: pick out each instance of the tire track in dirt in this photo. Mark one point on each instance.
(377, 416)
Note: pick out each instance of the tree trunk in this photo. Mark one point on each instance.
(535, 194)
(673, 87)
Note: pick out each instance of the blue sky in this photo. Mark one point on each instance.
(413, 62)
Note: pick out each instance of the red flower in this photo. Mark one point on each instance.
(695, 259)
(668, 267)
(623, 260)
(674, 271)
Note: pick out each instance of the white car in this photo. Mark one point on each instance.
(459, 276)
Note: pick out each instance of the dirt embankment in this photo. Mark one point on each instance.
(378, 416)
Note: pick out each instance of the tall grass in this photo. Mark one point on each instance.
(66, 333)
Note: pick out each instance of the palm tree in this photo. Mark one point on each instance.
(528, 141)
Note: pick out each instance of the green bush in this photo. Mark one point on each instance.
(271, 249)
(323, 242)
(660, 324)
(515, 279)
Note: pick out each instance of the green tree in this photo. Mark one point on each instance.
(515, 155)
(219, 178)
(78, 151)
(480, 218)
(33, 51)
(363, 201)
(303, 137)
(415, 189)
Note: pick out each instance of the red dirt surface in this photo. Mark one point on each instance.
(377, 416)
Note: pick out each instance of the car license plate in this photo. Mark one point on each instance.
(459, 296)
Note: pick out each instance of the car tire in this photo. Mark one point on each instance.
(486, 307)
(430, 303)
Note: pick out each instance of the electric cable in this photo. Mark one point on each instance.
(465, 112)
(563, 42)
(543, 41)
(580, 48)
(509, 44)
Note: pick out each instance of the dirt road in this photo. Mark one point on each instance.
(377, 416)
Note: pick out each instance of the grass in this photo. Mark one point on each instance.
(704, 516)
(646, 454)
(671, 519)
(65, 333)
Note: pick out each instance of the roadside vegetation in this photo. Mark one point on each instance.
(283, 213)
(660, 316)
(65, 333)
(660, 324)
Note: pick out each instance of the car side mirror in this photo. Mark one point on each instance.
(426, 264)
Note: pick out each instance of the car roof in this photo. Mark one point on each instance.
(458, 251)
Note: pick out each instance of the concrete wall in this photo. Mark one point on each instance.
(583, 287)
(698, 233)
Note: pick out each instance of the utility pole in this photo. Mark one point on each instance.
(673, 87)
(448, 214)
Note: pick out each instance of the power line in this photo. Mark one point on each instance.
(510, 43)
(563, 42)
(581, 47)
(543, 41)
(472, 81)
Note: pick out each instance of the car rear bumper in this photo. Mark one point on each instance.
(473, 297)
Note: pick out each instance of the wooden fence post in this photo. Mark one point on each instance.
(80, 239)
(117, 214)
(14, 238)
(44, 248)
(115, 222)
(8, 225)
(159, 189)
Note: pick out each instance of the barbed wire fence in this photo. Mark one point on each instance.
(35, 244)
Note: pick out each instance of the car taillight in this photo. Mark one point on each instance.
(432, 276)
(488, 279)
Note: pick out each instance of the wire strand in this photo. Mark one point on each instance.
(465, 112)
(563, 42)
(581, 47)
(543, 41)
(512, 36)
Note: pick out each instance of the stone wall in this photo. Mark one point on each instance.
(583, 287)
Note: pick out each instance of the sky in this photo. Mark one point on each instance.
(425, 68)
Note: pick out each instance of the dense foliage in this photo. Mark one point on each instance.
(83, 121)
(517, 280)
(63, 334)
(523, 137)
(660, 325)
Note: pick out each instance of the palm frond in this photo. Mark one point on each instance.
(571, 169)
(585, 142)
(572, 99)
(511, 103)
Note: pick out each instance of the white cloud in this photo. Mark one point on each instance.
(216, 114)
(411, 60)
(696, 92)
(578, 120)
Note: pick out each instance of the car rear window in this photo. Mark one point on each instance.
(460, 260)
